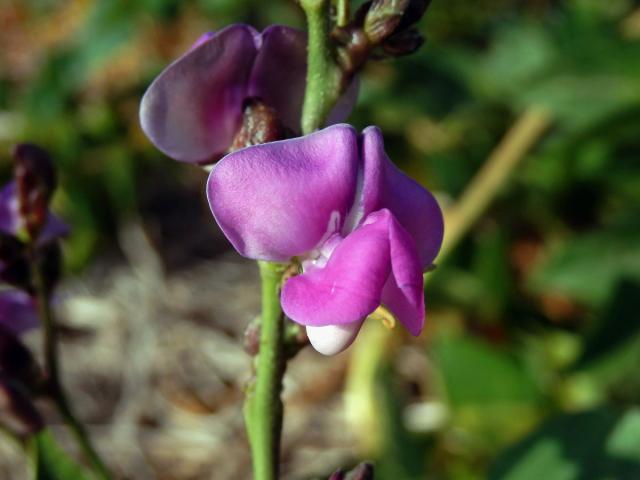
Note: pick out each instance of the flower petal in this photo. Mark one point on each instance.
(282, 199)
(333, 339)
(279, 73)
(193, 109)
(377, 262)
(9, 215)
(17, 311)
(385, 186)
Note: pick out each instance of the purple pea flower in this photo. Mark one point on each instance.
(362, 231)
(18, 312)
(193, 110)
(12, 222)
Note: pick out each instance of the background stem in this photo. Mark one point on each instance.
(490, 179)
(263, 405)
(52, 372)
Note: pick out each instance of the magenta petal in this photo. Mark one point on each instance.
(385, 186)
(17, 311)
(357, 276)
(193, 109)
(279, 73)
(281, 199)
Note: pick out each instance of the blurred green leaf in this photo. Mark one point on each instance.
(596, 445)
(476, 373)
(587, 268)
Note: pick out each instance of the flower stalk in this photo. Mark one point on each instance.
(263, 406)
(55, 390)
(324, 77)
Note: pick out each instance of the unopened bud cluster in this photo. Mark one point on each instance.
(380, 29)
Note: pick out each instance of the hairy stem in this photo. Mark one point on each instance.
(324, 78)
(263, 405)
(52, 370)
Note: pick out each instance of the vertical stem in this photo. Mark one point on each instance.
(324, 78)
(263, 405)
(52, 371)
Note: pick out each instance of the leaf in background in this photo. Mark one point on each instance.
(475, 373)
(589, 267)
(50, 462)
(493, 396)
(596, 445)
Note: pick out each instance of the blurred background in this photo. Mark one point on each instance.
(528, 368)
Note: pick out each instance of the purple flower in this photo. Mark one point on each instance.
(362, 231)
(193, 110)
(17, 312)
(12, 223)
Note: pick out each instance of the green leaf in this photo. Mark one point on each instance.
(595, 445)
(589, 267)
(478, 374)
(51, 462)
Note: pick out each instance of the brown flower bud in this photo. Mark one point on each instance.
(383, 18)
(337, 475)
(260, 124)
(364, 471)
(403, 43)
(36, 182)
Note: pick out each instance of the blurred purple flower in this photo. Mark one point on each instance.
(361, 229)
(193, 110)
(18, 312)
(12, 223)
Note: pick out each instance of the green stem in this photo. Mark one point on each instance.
(52, 371)
(324, 78)
(263, 405)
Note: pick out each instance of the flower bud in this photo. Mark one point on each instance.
(337, 475)
(403, 43)
(383, 18)
(251, 342)
(260, 124)
(364, 471)
(36, 181)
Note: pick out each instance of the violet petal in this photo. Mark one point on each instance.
(279, 73)
(17, 311)
(385, 186)
(192, 111)
(281, 199)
